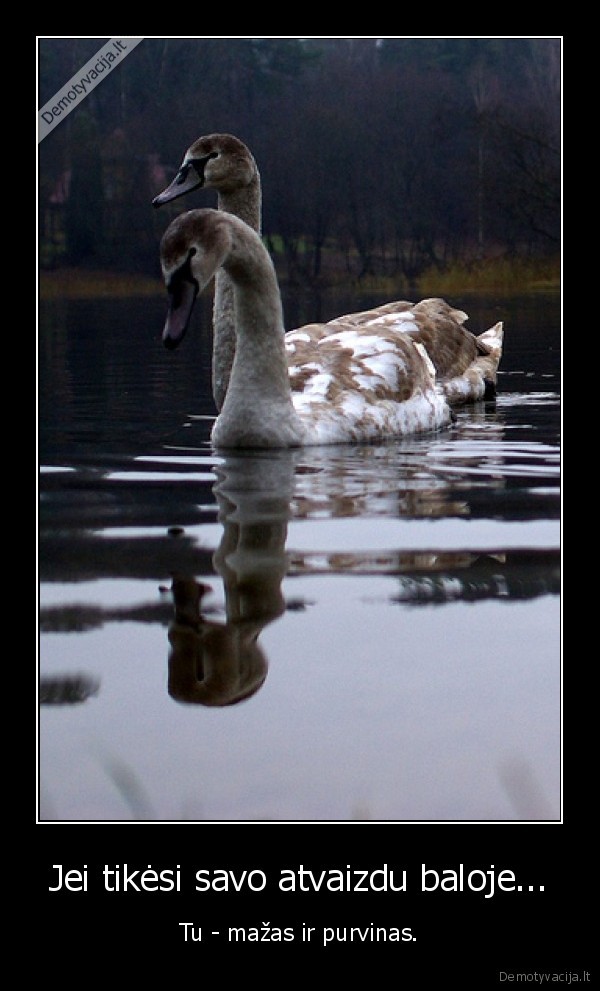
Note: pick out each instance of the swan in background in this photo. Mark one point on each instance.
(321, 384)
(224, 163)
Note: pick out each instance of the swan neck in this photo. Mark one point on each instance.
(243, 202)
(260, 360)
(223, 336)
(258, 409)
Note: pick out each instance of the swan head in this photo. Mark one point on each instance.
(192, 248)
(215, 161)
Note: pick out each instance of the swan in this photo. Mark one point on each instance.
(223, 162)
(330, 383)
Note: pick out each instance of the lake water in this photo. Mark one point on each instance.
(333, 634)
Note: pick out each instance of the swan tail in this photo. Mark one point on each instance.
(478, 381)
(490, 342)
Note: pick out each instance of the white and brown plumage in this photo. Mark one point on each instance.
(465, 364)
(321, 384)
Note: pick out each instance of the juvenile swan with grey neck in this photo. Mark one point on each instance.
(321, 384)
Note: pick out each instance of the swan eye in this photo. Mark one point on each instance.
(182, 174)
(198, 163)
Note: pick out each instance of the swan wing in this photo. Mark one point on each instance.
(355, 383)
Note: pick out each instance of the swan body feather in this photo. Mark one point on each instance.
(342, 382)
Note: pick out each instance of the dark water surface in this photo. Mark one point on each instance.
(321, 635)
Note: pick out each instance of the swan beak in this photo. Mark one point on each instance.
(186, 179)
(183, 296)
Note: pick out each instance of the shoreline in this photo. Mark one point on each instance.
(505, 278)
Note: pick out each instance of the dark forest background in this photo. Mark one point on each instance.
(378, 156)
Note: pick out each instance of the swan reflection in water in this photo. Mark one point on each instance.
(219, 664)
